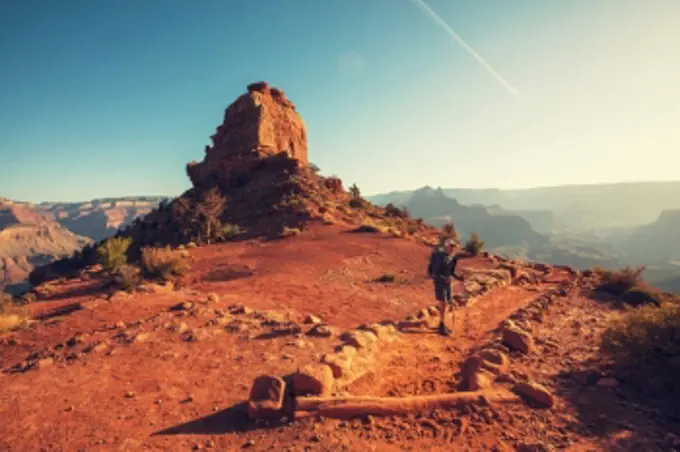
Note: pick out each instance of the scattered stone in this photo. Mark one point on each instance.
(518, 340)
(129, 395)
(495, 361)
(320, 331)
(247, 444)
(312, 320)
(535, 392)
(383, 332)
(358, 339)
(313, 379)
(241, 310)
(184, 306)
(141, 337)
(43, 363)
(75, 340)
(266, 397)
(213, 298)
(607, 382)
(340, 364)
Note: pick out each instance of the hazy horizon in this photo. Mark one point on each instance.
(104, 100)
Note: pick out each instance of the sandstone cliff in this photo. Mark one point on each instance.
(259, 124)
(29, 239)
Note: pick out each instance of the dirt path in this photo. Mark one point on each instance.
(421, 361)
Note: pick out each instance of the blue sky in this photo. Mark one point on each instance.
(113, 98)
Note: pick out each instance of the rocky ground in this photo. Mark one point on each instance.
(170, 367)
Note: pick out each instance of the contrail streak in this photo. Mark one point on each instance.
(439, 21)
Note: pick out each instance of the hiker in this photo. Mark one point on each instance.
(441, 268)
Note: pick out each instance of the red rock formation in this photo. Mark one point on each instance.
(259, 124)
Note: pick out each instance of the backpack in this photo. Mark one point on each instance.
(437, 263)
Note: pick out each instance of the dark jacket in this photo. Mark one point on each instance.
(442, 266)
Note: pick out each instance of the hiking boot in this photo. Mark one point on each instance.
(443, 330)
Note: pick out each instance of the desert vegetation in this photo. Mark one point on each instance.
(112, 253)
(163, 263)
(474, 245)
(12, 316)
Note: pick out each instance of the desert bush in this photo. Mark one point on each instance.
(393, 211)
(645, 339)
(314, 168)
(127, 277)
(112, 253)
(642, 295)
(164, 263)
(12, 316)
(474, 245)
(290, 231)
(620, 281)
(449, 232)
(230, 231)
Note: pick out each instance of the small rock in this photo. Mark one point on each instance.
(249, 443)
(312, 320)
(320, 331)
(129, 395)
(607, 383)
(43, 363)
(213, 298)
(266, 397)
(539, 394)
(358, 339)
(518, 340)
(241, 310)
(534, 447)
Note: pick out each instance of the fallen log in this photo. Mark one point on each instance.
(358, 406)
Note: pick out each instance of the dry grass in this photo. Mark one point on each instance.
(127, 277)
(11, 316)
(620, 281)
(164, 263)
(646, 339)
(474, 245)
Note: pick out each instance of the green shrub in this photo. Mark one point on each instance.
(645, 338)
(474, 245)
(393, 211)
(620, 281)
(164, 263)
(354, 191)
(112, 254)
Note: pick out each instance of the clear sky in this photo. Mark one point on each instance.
(113, 98)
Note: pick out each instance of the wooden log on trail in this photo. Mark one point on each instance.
(358, 406)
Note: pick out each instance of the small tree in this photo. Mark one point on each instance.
(210, 208)
(474, 244)
(449, 232)
(354, 190)
(112, 254)
(315, 169)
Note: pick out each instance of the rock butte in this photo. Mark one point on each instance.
(259, 124)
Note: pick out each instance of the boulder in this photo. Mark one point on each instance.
(535, 392)
(266, 397)
(518, 340)
(313, 379)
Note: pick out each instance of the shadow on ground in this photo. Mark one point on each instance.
(630, 416)
(231, 420)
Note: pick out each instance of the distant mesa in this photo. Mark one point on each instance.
(259, 124)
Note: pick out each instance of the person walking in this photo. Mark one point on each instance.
(441, 268)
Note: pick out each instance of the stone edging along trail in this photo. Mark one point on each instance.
(355, 356)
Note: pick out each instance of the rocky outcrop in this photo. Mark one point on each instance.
(259, 124)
